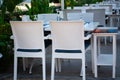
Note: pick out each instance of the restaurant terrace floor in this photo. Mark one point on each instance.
(70, 68)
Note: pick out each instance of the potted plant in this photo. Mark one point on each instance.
(6, 47)
(38, 6)
(70, 3)
(6, 44)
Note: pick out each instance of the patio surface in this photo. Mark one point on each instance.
(70, 68)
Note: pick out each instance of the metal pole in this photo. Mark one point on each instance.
(62, 4)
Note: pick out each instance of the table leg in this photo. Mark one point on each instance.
(114, 55)
(95, 55)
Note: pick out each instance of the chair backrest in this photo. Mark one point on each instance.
(87, 17)
(47, 17)
(28, 35)
(67, 35)
(99, 15)
(66, 12)
(78, 7)
(107, 7)
(25, 18)
(42, 17)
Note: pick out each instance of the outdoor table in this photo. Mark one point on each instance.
(104, 59)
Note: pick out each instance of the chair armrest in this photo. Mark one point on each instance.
(87, 37)
(48, 37)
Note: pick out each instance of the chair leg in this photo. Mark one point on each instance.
(95, 56)
(99, 44)
(44, 68)
(81, 72)
(31, 65)
(24, 67)
(59, 65)
(83, 69)
(114, 56)
(105, 40)
(52, 69)
(92, 54)
(56, 65)
(95, 72)
(30, 71)
(113, 73)
(15, 67)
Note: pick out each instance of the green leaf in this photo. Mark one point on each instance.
(2, 44)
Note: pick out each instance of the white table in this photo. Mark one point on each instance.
(91, 26)
(88, 27)
(104, 59)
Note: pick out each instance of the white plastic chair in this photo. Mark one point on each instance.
(67, 42)
(47, 17)
(87, 17)
(28, 42)
(99, 15)
(73, 15)
(107, 7)
(25, 18)
(66, 12)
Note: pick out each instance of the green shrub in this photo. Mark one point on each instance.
(6, 47)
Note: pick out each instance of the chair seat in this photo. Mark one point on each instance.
(87, 44)
(67, 51)
(29, 50)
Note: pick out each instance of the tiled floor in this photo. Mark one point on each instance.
(70, 68)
